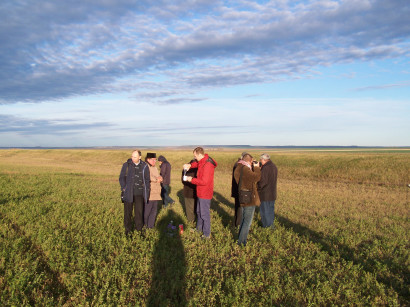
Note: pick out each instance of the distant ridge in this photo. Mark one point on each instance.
(216, 146)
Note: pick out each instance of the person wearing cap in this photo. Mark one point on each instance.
(165, 172)
(135, 185)
(150, 210)
(235, 194)
(267, 190)
(247, 177)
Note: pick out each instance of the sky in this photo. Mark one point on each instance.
(174, 73)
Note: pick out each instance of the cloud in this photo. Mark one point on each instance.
(382, 86)
(51, 50)
(31, 127)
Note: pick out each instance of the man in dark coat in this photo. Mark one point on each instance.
(267, 189)
(165, 172)
(135, 185)
(189, 192)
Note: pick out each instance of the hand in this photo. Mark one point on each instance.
(160, 179)
(188, 178)
(187, 166)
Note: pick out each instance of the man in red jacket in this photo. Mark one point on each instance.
(204, 182)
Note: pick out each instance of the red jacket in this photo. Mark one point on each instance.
(205, 177)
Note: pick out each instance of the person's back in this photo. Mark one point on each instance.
(165, 172)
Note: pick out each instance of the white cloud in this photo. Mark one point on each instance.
(53, 50)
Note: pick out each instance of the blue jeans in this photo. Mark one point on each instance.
(267, 211)
(247, 217)
(203, 213)
(165, 195)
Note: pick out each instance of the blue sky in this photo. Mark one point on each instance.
(168, 73)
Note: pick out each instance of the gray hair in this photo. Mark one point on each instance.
(265, 156)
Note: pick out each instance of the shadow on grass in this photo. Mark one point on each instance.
(227, 219)
(180, 195)
(368, 264)
(168, 284)
(53, 284)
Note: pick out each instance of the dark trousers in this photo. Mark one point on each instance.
(138, 206)
(238, 213)
(165, 188)
(190, 209)
(150, 213)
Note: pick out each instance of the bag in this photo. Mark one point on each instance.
(245, 197)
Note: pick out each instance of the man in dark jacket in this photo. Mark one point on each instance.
(267, 189)
(165, 173)
(135, 185)
(189, 192)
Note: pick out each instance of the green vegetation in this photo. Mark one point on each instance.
(341, 234)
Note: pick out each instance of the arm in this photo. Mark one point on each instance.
(194, 164)
(123, 177)
(206, 177)
(264, 180)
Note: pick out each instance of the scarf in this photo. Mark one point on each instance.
(245, 163)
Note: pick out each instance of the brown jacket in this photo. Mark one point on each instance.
(249, 182)
(155, 185)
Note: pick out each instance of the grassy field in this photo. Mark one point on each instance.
(341, 234)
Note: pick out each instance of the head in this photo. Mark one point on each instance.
(199, 153)
(244, 154)
(151, 158)
(161, 159)
(247, 157)
(264, 158)
(136, 156)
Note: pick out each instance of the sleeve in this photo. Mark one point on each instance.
(123, 176)
(264, 180)
(194, 164)
(254, 175)
(169, 170)
(206, 177)
(148, 177)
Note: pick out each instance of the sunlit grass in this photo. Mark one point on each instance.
(341, 234)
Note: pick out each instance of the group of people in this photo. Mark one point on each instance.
(143, 186)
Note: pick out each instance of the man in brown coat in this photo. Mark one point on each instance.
(247, 177)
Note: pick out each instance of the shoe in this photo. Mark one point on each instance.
(203, 237)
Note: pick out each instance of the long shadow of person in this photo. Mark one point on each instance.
(226, 217)
(180, 195)
(368, 264)
(168, 265)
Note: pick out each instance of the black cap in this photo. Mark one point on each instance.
(151, 155)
